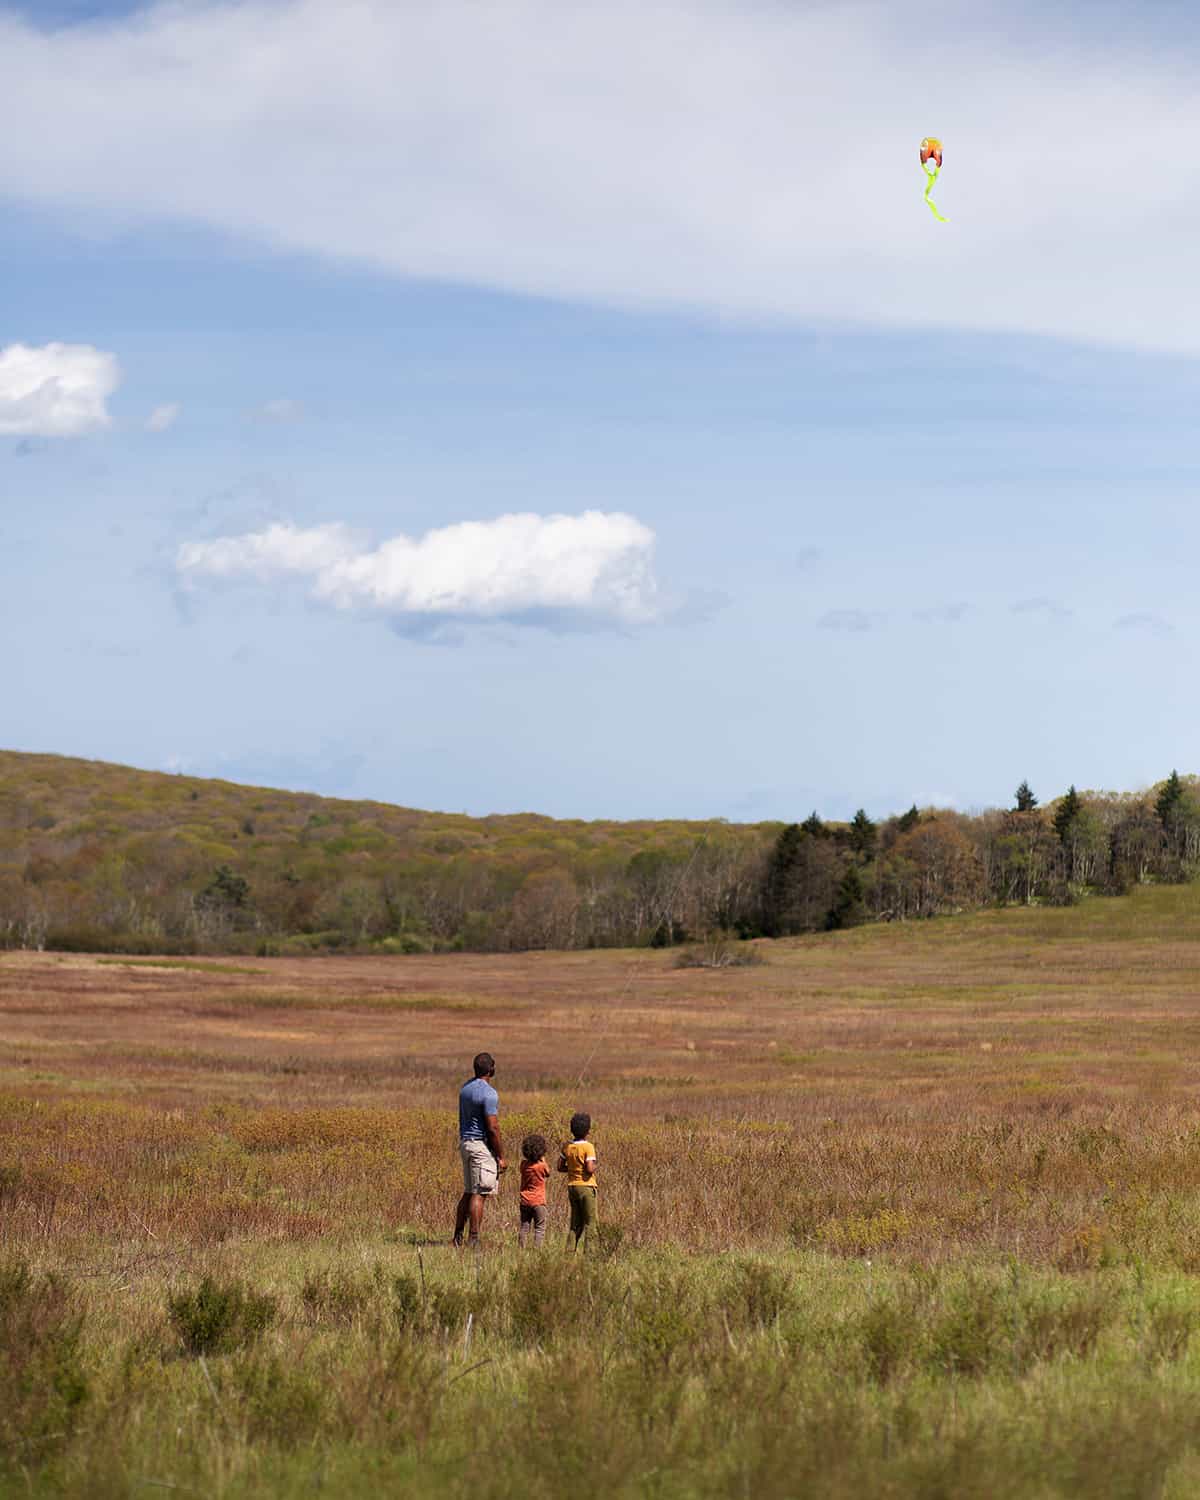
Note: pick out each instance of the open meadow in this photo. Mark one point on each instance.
(906, 1210)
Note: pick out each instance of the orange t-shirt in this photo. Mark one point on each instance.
(533, 1182)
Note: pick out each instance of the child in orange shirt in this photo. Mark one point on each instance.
(534, 1172)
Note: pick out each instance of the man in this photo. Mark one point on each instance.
(479, 1146)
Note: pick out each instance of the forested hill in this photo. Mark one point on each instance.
(96, 856)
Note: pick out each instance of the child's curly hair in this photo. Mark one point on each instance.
(533, 1147)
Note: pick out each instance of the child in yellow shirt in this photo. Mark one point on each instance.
(578, 1161)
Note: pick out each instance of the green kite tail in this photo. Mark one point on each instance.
(930, 179)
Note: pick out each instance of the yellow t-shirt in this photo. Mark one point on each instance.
(576, 1155)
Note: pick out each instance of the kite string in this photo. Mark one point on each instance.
(930, 179)
(632, 974)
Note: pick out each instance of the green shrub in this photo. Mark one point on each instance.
(42, 1383)
(972, 1334)
(451, 1305)
(1053, 1326)
(220, 1316)
(889, 1336)
(278, 1401)
(10, 1185)
(757, 1293)
(551, 1297)
(1168, 1327)
(335, 1296)
(666, 1319)
(407, 1299)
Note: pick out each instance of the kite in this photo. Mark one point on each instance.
(931, 151)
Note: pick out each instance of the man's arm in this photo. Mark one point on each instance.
(495, 1144)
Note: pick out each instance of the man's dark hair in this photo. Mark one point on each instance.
(485, 1065)
(580, 1125)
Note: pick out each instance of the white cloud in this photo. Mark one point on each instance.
(163, 417)
(596, 567)
(57, 390)
(740, 157)
(267, 555)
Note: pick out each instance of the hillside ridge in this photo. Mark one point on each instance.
(96, 856)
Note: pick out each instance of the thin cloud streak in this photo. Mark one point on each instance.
(1049, 609)
(163, 417)
(1145, 620)
(741, 159)
(853, 621)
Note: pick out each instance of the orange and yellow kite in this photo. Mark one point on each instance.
(931, 161)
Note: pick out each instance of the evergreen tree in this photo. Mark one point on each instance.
(1026, 801)
(862, 835)
(1169, 799)
(781, 873)
(848, 909)
(908, 820)
(1066, 812)
(226, 888)
(812, 824)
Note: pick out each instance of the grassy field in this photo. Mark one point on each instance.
(909, 1210)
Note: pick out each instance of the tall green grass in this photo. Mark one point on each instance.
(271, 1371)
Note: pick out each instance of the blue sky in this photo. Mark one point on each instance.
(882, 510)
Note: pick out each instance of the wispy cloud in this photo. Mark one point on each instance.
(1145, 620)
(855, 621)
(279, 412)
(1050, 609)
(942, 614)
(567, 150)
(556, 570)
(163, 417)
(57, 390)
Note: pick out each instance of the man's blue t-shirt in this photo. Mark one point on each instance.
(476, 1101)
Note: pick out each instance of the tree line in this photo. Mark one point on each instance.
(107, 859)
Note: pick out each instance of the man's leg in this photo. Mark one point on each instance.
(475, 1214)
(461, 1214)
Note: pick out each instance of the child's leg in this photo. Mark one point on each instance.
(526, 1220)
(583, 1213)
(587, 1213)
(576, 1224)
(539, 1224)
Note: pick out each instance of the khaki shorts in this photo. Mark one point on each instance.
(480, 1172)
